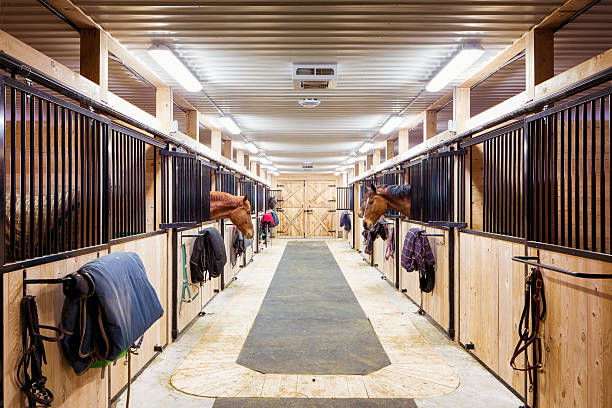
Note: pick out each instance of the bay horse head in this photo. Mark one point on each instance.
(374, 206)
(379, 199)
(241, 218)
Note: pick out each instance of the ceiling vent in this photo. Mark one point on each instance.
(309, 102)
(315, 76)
(307, 166)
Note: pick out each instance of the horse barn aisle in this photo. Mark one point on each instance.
(274, 338)
(290, 203)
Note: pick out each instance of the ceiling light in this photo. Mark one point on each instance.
(309, 102)
(336, 173)
(173, 66)
(212, 121)
(251, 147)
(460, 62)
(391, 124)
(275, 173)
(351, 160)
(366, 147)
(231, 126)
(265, 160)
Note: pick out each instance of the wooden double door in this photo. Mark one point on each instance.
(307, 209)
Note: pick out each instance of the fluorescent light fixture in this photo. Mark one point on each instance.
(351, 160)
(166, 59)
(231, 126)
(460, 62)
(265, 160)
(336, 173)
(275, 173)
(366, 147)
(391, 124)
(251, 147)
(212, 120)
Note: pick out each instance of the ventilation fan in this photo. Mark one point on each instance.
(315, 76)
(307, 166)
(309, 102)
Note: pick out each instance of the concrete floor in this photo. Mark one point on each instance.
(477, 388)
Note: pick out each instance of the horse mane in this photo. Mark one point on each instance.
(226, 198)
(396, 190)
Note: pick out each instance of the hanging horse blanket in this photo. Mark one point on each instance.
(238, 246)
(417, 255)
(370, 236)
(208, 255)
(345, 221)
(119, 306)
(275, 217)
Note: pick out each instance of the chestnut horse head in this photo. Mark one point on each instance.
(379, 199)
(237, 208)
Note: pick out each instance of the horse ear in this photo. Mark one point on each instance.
(245, 198)
(373, 188)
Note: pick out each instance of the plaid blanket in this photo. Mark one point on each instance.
(416, 253)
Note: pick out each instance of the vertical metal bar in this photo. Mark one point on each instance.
(539, 158)
(48, 246)
(610, 167)
(549, 177)
(602, 172)
(96, 202)
(585, 178)
(154, 187)
(70, 210)
(87, 181)
(562, 219)
(593, 178)
(513, 184)
(40, 250)
(555, 190)
(3, 249)
(22, 170)
(32, 230)
(13, 201)
(55, 178)
(577, 175)
(487, 185)
(570, 231)
(77, 190)
(63, 178)
(107, 212)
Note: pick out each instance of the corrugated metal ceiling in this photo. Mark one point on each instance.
(242, 51)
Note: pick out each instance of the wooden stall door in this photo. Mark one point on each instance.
(321, 211)
(291, 209)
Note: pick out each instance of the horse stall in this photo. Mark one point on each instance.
(528, 193)
(79, 185)
(345, 204)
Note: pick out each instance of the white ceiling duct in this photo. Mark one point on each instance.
(315, 76)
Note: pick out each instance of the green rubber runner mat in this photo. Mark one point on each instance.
(310, 321)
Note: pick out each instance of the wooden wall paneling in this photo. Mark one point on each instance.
(511, 301)
(389, 264)
(230, 271)
(466, 249)
(150, 251)
(378, 254)
(69, 389)
(189, 311)
(321, 219)
(576, 335)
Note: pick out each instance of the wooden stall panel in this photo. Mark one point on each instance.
(189, 311)
(435, 303)
(490, 304)
(230, 271)
(70, 390)
(151, 251)
(576, 335)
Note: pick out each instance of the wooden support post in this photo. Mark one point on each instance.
(539, 58)
(430, 124)
(356, 169)
(258, 169)
(369, 160)
(362, 167)
(376, 157)
(227, 149)
(239, 157)
(193, 125)
(163, 107)
(403, 139)
(246, 161)
(94, 59)
(215, 140)
(461, 108)
(390, 151)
